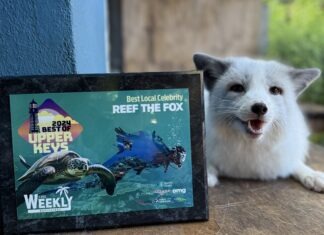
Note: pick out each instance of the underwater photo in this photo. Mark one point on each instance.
(86, 153)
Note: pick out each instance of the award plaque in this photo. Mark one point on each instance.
(100, 151)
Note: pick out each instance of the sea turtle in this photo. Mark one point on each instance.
(61, 167)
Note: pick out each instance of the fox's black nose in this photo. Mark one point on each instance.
(259, 108)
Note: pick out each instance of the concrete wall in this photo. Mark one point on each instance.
(40, 37)
(35, 37)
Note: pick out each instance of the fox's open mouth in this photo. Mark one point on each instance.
(254, 127)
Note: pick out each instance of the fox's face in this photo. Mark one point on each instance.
(252, 98)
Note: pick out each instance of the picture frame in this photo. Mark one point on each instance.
(101, 151)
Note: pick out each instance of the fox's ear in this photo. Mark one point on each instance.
(302, 78)
(213, 68)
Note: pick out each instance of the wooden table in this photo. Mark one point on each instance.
(251, 207)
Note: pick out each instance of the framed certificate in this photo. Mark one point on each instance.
(100, 151)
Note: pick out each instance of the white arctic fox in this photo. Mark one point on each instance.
(254, 127)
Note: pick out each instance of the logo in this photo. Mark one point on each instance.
(36, 203)
(49, 128)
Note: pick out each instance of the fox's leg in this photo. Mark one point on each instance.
(212, 176)
(310, 178)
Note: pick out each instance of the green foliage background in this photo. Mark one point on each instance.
(296, 36)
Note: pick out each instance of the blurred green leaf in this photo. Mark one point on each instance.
(296, 36)
(317, 138)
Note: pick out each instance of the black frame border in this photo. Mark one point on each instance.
(115, 35)
(92, 83)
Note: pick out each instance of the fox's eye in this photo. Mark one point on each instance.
(237, 88)
(274, 90)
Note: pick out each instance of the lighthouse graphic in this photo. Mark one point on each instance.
(33, 117)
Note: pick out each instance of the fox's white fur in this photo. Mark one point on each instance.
(242, 143)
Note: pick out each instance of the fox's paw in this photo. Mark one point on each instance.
(212, 180)
(314, 181)
(311, 179)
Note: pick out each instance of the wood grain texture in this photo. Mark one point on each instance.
(251, 207)
(277, 207)
(161, 35)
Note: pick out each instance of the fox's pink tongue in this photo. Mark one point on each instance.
(256, 124)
